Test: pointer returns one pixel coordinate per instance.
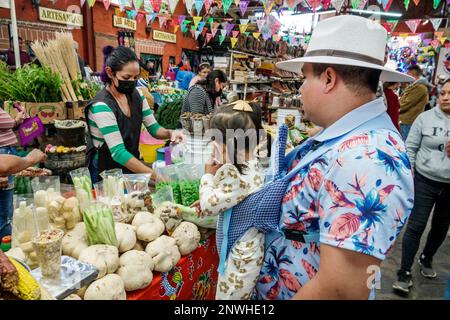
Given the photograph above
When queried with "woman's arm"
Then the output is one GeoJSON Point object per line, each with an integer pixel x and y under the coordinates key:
{"type": "Point", "coordinates": [10, 164]}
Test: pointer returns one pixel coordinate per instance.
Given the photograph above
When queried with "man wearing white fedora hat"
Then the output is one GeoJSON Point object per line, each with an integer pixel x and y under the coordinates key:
{"type": "Point", "coordinates": [353, 187]}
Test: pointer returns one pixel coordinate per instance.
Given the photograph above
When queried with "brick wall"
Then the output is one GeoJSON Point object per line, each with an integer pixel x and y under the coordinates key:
{"type": "Point", "coordinates": [28, 31]}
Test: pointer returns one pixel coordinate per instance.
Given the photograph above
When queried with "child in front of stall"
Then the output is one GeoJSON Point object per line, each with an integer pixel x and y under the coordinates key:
{"type": "Point", "coordinates": [230, 176]}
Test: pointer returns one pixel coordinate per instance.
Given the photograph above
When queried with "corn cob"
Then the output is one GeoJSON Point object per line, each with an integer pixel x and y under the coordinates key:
{"type": "Point", "coordinates": [28, 288]}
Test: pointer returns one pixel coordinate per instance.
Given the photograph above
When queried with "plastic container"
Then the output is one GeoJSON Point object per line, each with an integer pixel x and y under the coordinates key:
{"type": "Point", "coordinates": [5, 243]}
{"type": "Point", "coordinates": [48, 245]}
{"type": "Point", "coordinates": [198, 150]}
{"type": "Point", "coordinates": [148, 147]}
{"type": "Point", "coordinates": [161, 154]}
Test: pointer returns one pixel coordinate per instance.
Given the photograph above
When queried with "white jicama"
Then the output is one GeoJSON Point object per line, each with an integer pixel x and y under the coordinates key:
{"type": "Point", "coordinates": [148, 226]}
{"type": "Point", "coordinates": [187, 237]}
{"type": "Point", "coordinates": [136, 270]}
{"type": "Point", "coordinates": [164, 252]}
{"type": "Point", "coordinates": [110, 287]}
{"type": "Point", "coordinates": [75, 241]}
{"type": "Point", "coordinates": [126, 236]}
{"type": "Point", "coordinates": [105, 258]}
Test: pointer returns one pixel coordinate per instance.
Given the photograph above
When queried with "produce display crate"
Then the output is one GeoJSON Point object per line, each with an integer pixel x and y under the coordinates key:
{"type": "Point", "coordinates": [48, 112]}
{"type": "Point", "coordinates": [75, 110]}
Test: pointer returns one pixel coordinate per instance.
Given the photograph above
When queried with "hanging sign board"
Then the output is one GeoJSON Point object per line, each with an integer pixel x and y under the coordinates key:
{"type": "Point", "coordinates": [164, 36]}
{"type": "Point", "coordinates": [5, 4]}
{"type": "Point", "coordinates": [61, 17]}
{"type": "Point", "coordinates": [121, 22]}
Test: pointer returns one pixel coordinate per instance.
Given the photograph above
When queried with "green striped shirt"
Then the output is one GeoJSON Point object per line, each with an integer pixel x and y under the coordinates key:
{"type": "Point", "coordinates": [103, 127]}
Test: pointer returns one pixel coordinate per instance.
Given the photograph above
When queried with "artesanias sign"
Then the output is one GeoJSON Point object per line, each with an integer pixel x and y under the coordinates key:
{"type": "Point", "coordinates": [61, 17]}
{"type": "Point", "coordinates": [121, 22]}
{"type": "Point", "coordinates": [164, 36]}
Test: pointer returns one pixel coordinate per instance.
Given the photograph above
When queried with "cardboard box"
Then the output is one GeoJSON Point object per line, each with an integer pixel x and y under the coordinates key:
{"type": "Point", "coordinates": [75, 110]}
{"type": "Point", "coordinates": [48, 112]}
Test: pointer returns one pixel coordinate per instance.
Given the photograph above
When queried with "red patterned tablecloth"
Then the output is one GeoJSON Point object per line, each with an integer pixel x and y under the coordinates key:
{"type": "Point", "coordinates": [193, 278]}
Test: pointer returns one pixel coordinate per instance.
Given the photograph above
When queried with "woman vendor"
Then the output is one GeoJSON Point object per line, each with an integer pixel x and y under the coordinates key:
{"type": "Point", "coordinates": [116, 115]}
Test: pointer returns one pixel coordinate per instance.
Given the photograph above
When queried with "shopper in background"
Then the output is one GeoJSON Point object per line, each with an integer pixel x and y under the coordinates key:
{"type": "Point", "coordinates": [24, 56]}
{"type": "Point", "coordinates": [428, 147]}
{"type": "Point", "coordinates": [203, 70]}
{"type": "Point", "coordinates": [340, 212]}
{"type": "Point", "coordinates": [413, 100]}
{"type": "Point", "coordinates": [201, 97]}
{"type": "Point", "coordinates": [11, 164]}
{"type": "Point", "coordinates": [393, 104]}
{"type": "Point", "coordinates": [116, 115]}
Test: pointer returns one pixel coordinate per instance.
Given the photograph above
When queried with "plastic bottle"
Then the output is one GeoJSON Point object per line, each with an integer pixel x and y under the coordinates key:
{"type": "Point", "coordinates": [5, 243]}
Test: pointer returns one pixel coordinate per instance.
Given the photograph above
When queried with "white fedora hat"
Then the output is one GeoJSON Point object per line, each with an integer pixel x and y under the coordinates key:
{"type": "Point", "coordinates": [347, 40]}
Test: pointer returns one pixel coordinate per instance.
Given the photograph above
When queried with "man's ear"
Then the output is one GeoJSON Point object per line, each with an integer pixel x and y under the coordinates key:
{"type": "Point", "coordinates": [329, 79]}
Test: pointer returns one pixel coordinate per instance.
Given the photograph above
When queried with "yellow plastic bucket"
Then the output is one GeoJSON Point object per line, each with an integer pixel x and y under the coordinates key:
{"type": "Point", "coordinates": [148, 146]}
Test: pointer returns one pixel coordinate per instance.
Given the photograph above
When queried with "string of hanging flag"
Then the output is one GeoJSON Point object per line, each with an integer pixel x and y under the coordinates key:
{"type": "Point", "coordinates": [199, 22]}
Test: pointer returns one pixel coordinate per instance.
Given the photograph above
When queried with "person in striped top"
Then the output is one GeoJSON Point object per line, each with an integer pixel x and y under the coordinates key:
{"type": "Point", "coordinates": [116, 115]}
{"type": "Point", "coordinates": [8, 140]}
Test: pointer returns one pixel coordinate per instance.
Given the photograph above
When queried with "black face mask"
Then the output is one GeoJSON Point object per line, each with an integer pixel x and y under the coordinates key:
{"type": "Point", "coordinates": [126, 86]}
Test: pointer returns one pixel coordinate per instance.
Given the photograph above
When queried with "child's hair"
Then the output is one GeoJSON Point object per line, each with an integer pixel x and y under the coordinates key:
{"type": "Point", "coordinates": [226, 118]}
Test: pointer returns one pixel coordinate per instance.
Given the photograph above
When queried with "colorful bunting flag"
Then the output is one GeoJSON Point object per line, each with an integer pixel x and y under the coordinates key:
{"type": "Point", "coordinates": [137, 4]}
{"type": "Point", "coordinates": [386, 4]}
{"type": "Point", "coordinates": [236, 2]}
{"type": "Point", "coordinates": [235, 33]}
{"type": "Point", "coordinates": [197, 19]}
{"type": "Point", "coordinates": [355, 4]}
{"type": "Point", "coordinates": [406, 3]}
{"type": "Point", "coordinates": [162, 21]}
{"type": "Point", "coordinates": [197, 33]}
{"type": "Point", "coordinates": [442, 40]}
{"type": "Point", "coordinates": [148, 18]}
{"type": "Point", "coordinates": [292, 4]}
{"type": "Point", "coordinates": [392, 24]}
{"type": "Point", "coordinates": [82, 2]}
{"type": "Point", "coordinates": [209, 36]}
{"type": "Point", "coordinates": [91, 3]}
{"type": "Point", "coordinates": [156, 4]}
{"type": "Point", "coordinates": [175, 28]}
{"type": "Point", "coordinates": [226, 5]}
{"type": "Point", "coordinates": [435, 43]}
{"type": "Point", "coordinates": [326, 4]}
{"type": "Point", "coordinates": [416, 2]}
{"type": "Point", "coordinates": [243, 5]}
{"type": "Point", "coordinates": [201, 25]}
{"type": "Point", "coordinates": [260, 24]}
{"type": "Point", "coordinates": [173, 5]}
{"type": "Point", "coordinates": [438, 34]}
{"type": "Point", "coordinates": [198, 6]}
{"type": "Point", "coordinates": [139, 17]}
{"type": "Point", "coordinates": [208, 4]}
{"type": "Point", "coordinates": [230, 26]}
{"type": "Point", "coordinates": [243, 28]}
{"type": "Point", "coordinates": [233, 42]}
{"type": "Point", "coordinates": [337, 4]}
{"type": "Point", "coordinates": [256, 34]}
{"type": "Point", "coordinates": [268, 5]}
{"type": "Point", "coordinates": [107, 4]}
{"type": "Point", "coordinates": [189, 5]}
{"type": "Point", "coordinates": [148, 6]}
{"type": "Point", "coordinates": [221, 38]}
{"type": "Point", "coordinates": [436, 23]}
{"type": "Point", "coordinates": [413, 24]}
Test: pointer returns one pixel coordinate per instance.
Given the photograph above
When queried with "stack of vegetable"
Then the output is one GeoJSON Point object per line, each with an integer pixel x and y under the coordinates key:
{"type": "Point", "coordinates": [169, 112]}
{"type": "Point", "coordinates": [16, 283]}
{"type": "Point", "coordinates": [83, 186]}
{"type": "Point", "coordinates": [29, 84]}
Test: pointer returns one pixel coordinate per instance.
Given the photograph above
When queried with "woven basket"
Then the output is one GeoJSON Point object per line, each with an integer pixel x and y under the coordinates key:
{"type": "Point", "coordinates": [71, 160]}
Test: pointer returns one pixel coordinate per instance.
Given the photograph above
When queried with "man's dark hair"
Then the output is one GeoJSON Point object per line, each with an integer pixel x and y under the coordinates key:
{"type": "Point", "coordinates": [357, 79]}
{"type": "Point", "coordinates": [416, 69]}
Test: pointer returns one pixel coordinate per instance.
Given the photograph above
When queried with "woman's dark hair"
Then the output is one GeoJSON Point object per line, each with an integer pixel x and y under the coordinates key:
{"type": "Point", "coordinates": [209, 83]}
{"type": "Point", "coordinates": [226, 118]}
{"type": "Point", "coordinates": [204, 65]}
{"type": "Point", "coordinates": [116, 59]}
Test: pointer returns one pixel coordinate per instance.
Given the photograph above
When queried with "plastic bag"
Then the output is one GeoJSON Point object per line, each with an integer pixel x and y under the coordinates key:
{"type": "Point", "coordinates": [138, 195]}
{"type": "Point", "coordinates": [45, 183]}
{"type": "Point", "coordinates": [189, 184]}
{"type": "Point", "coordinates": [136, 182]}
{"type": "Point", "coordinates": [113, 183]}
{"type": "Point", "coordinates": [177, 152]}
{"type": "Point", "coordinates": [83, 186]}
{"type": "Point", "coordinates": [170, 177]}
{"type": "Point", "coordinates": [99, 223]}
{"type": "Point", "coordinates": [163, 195]}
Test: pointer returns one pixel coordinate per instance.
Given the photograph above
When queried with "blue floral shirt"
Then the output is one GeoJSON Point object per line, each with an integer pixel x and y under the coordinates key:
{"type": "Point", "coordinates": [357, 195]}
